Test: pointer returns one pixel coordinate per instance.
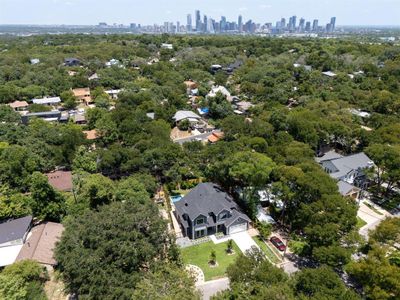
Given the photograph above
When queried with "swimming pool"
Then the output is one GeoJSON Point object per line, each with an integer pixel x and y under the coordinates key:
{"type": "Point", "coordinates": [176, 198]}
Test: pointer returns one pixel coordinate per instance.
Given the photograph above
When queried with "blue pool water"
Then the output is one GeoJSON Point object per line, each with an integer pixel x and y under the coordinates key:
{"type": "Point", "coordinates": [176, 198]}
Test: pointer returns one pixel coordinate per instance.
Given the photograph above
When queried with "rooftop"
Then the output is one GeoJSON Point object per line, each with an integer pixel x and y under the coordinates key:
{"type": "Point", "coordinates": [61, 180]}
{"type": "Point", "coordinates": [47, 100]}
{"type": "Point", "coordinates": [14, 229]}
{"type": "Point", "coordinates": [41, 243]}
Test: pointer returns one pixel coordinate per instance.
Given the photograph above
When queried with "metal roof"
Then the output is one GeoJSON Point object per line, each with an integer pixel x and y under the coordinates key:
{"type": "Point", "coordinates": [15, 229]}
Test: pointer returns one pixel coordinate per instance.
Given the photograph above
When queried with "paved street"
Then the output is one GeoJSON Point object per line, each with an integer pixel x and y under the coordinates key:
{"type": "Point", "coordinates": [210, 288]}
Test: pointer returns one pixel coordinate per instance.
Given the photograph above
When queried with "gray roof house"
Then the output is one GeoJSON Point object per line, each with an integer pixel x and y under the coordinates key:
{"type": "Point", "coordinates": [206, 210]}
{"type": "Point", "coordinates": [13, 234]}
{"type": "Point", "coordinates": [181, 115]}
{"type": "Point", "coordinates": [348, 170]}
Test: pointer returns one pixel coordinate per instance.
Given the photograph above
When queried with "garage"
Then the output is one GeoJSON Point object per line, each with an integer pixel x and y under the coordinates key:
{"type": "Point", "coordinates": [237, 228]}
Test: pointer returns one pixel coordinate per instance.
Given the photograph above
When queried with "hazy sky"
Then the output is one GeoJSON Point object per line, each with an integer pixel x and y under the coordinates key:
{"type": "Point", "coordinates": [348, 12]}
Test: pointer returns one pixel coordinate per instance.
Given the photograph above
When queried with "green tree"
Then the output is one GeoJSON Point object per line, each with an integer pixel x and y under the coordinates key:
{"type": "Point", "coordinates": [46, 202]}
{"type": "Point", "coordinates": [23, 280]}
{"type": "Point", "coordinates": [166, 283]}
{"type": "Point", "coordinates": [105, 253]}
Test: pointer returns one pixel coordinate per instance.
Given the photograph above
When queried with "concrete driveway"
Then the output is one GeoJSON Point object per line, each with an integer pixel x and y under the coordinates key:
{"type": "Point", "coordinates": [244, 241]}
{"type": "Point", "coordinates": [371, 217]}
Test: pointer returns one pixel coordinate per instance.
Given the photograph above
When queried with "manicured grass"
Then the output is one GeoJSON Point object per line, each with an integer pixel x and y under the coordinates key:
{"type": "Point", "coordinates": [267, 250]}
{"type": "Point", "coordinates": [199, 255]}
{"type": "Point", "coordinates": [360, 222]}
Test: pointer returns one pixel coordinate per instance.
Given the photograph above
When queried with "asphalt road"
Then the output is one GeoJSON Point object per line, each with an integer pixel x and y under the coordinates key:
{"type": "Point", "coordinates": [210, 288]}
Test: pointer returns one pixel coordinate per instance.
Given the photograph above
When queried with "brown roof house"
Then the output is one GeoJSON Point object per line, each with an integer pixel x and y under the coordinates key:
{"type": "Point", "coordinates": [41, 242]}
{"type": "Point", "coordinates": [61, 180]}
{"type": "Point", "coordinates": [83, 95]}
{"type": "Point", "coordinates": [90, 134]}
{"type": "Point", "coordinates": [19, 105]}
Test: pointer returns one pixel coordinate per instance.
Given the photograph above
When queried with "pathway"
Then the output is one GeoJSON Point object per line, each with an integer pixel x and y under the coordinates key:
{"type": "Point", "coordinates": [370, 216]}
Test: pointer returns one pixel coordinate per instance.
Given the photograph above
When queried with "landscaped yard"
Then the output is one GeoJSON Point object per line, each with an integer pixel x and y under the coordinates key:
{"type": "Point", "coordinates": [360, 222]}
{"type": "Point", "coordinates": [267, 250]}
{"type": "Point", "coordinates": [199, 255]}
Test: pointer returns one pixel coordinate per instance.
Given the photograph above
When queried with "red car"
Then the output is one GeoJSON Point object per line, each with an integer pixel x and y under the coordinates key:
{"type": "Point", "coordinates": [278, 243]}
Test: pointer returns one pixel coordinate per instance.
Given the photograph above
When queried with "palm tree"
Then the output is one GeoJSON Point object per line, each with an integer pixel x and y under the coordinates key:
{"type": "Point", "coordinates": [229, 246]}
{"type": "Point", "coordinates": [213, 257]}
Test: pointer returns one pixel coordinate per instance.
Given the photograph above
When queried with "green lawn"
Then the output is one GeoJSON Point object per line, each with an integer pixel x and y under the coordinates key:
{"type": "Point", "coordinates": [360, 222]}
{"type": "Point", "coordinates": [199, 255]}
{"type": "Point", "coordinates": [267, 250]}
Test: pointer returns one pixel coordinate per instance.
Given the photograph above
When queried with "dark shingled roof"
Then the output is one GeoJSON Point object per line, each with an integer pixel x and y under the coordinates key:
{"type": "Point", "coordinates": [205, 198]}
{"type": "Point", "coordinates": [12, 230]}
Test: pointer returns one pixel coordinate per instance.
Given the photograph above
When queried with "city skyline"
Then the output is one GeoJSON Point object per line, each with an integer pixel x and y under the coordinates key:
{"type": "Point", "coordinates": [89, 12]}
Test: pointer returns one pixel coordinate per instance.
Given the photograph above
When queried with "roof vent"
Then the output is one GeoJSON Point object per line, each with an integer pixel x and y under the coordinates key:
{"type": "Point", "coordinates": [186, 204]}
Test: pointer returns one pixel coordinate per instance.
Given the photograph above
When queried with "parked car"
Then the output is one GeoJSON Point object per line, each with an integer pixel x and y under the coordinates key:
{"type": "Point", "coordinates": [278, 243]}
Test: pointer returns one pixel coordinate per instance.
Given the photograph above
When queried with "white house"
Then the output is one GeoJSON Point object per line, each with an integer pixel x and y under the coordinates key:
{"type": "Point", "coordinates": [47, 100]}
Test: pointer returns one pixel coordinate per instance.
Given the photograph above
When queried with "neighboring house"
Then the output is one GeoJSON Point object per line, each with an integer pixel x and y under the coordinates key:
{"type": "Point", "coordinates": [113, 62]}
{"type": "Point", "coordinates": [167, 46]}
{"type": "Point", "coordinates": [48, 116]}
{"type": "Point", "coordinates": [80, 119]}
{"type": "Point", "coordinates": [113, 93]}
{"type": "Point", "coordinates": [41, 242]}
{"type": "Point", "coordinates": [349, 171]}
{"type": "Point", "coordinates": [151, 115]}
{"type": "Point", "coordinates": [47, 101]}
{"type": "Point", "coordinates": [244, 106]}
{"type": "Point", "coordinates": [181, 115]}
{"type": "Point", "coordinates": [329, 74]}
{"type": "Point", "coordinates": [35, 61]}
{"type": "Point", "coordinates": [19, 105]}
{"type": "Point", "coordinates": [83, 95]}
{"type": "Point", "coordinates": [72, 62]}
{"type": "Point", "coordinates": [91, 134]}
{"type": "Point", "coordinates": [60, 180]}
{"type": "Point", "coordinates": [219, 89]}
{"type": "Point", "coordinates": [207, 210]}
{"type": "Point", "coordinates": [13, 234]}
{"type": "Point", "coordinates": [215, 136]}
{"type": "Point", "coordinates": [360, 113]}
{"type": "Point", "coordinates": [93, 77]}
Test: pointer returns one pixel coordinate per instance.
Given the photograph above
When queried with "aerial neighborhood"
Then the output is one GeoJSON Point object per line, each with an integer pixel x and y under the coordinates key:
{"type": "Point", "coordinates": [199, 167]}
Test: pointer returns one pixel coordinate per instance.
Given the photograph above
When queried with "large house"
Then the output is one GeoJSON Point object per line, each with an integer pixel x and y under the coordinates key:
{"type": "Point", "coordinates": [83, 95]}
{"type": "Point", "coordinates": [349, 171]}
{"type": "Point", "coordinates": [207, 210]}
{"type": "Point", "coordinates": [20, 240]}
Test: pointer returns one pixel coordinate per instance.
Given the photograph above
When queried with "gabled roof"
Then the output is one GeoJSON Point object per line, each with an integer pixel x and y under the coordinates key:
{"type": "Point", "coordinates": [328, 156]}
{"type": "Point", "coordinates": [346, 164]}
{"type": "Point", "coordinates": [345, 188]}
{"type": "Point", "coordinates": [185, 114]}
{"type": "Point", "coordinates": [15, 229]}
{"type": "Point", "coordinates": [41, 243]}
{"type": "Point", "coordinates": [219, 89]}
{"type": "Point", "coordinates": [206, 198]}
{"type": "Point", "coordinates": [18, 104]}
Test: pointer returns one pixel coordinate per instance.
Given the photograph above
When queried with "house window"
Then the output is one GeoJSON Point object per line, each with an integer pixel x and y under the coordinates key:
{"type": "Point", "coordinates": [200, 221]}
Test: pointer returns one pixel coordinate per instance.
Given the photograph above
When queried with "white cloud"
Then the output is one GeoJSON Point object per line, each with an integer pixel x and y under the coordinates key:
{"type": "Point", "coordinates": [243, 8]}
